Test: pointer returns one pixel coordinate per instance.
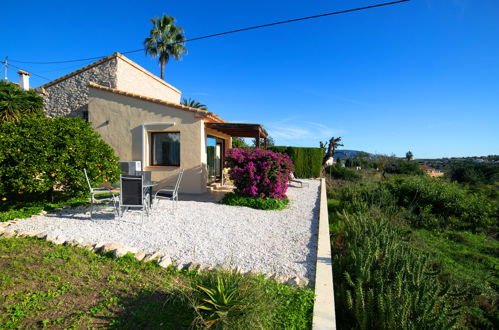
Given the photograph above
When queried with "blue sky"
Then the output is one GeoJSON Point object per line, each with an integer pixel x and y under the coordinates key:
{"type": "Point", "coordinates": [420, 76]}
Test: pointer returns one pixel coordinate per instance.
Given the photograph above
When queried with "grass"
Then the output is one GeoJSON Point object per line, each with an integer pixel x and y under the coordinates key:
{"type": "Point", "coordinates": [43, 285]}
{"type": "Point", "coordinates": [255, 202]}
{"type": "Point", "coordinates": [10, 210]}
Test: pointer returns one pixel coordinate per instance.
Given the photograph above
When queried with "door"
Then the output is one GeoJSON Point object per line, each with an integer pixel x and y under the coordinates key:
{"type": "Point", "coordinates": [214, 153]}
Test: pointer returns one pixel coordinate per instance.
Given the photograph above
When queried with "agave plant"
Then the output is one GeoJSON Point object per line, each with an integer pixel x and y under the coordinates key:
{"type": "Point", "coordinates": [218, 302]}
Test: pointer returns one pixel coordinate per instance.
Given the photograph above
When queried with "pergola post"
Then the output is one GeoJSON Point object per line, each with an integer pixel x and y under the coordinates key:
{"type": "Point", "coordinates": [258, 140]}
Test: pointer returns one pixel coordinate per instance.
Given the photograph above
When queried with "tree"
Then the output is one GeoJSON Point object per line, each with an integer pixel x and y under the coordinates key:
{"type": "Point", "coordinates": [270, 141]}
{"type": "Point", "coordinates": [166, 40]}
{"type": "Point", "coordinates": [193, 104]}
{"type": "Point", "coordinates": [408, 156]}
{"type": "Point", "coordinates": [16, 102]}
{"type": "Point", "coordinates": [330, 148]}
{"type": "Point", "coordinates": [238, 142]}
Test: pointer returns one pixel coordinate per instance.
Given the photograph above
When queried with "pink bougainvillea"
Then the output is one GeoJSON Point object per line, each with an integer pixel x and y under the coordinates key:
{"type": "Point", "coordinates": [259, 172]}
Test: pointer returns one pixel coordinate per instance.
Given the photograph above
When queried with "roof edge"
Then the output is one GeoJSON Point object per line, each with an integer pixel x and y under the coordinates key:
{"type": "Point", "coordinates": [85, 68]}
{"type": "Point", "coordinates": [203, 113]}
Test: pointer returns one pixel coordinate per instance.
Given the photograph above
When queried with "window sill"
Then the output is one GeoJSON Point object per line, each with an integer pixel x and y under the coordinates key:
{"type": "Point", "coordinates": [161, 167]}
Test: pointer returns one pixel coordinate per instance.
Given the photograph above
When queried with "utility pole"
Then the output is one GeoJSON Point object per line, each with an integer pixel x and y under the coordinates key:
{"type": "Point", "coordinates": [6, 66]}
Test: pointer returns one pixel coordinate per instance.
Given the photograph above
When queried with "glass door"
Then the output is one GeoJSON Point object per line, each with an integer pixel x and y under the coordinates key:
{"type": "Point", "coordinates": [214, 153]}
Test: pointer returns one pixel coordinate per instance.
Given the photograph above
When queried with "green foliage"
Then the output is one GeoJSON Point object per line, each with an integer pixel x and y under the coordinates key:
{"type": "Point", "coordinates": [409, 156]}
{"type": "Point", "coordinates": [386, 284]}
{"type": "Point", "coordinates": [307, 161]}
{"type": "Point", "coordinates": [402, 166]}
{"type": "Point", "coordinates": [474, 173]}
{"type": "Point", "coordinates": [39, 155]}
{"type": "Point", "coordinates": [239, 143]}
{"type": "Point", "coordinates": [127, 294]}
{"type": "Point", "coordinates": [342, 173]}
{"type": "Point", "coordinates": [221, 300]}
{"type": "Point", "coordinates": [464, 260]}
{"type": "Point", "coordinates": [16, 102]}
{"type": "Point", "coordinates": [468, 261]}
{"type": "Point", "coordinates": [10, 210]}
{"type": "Point", "coordinates": [438, 204]}
{"type": "Point", "coordinates": [165, 40]}
{"type": "Point", "coordinates": [255, 202]}
{"type": "Point", "coordinates": [193, 104]}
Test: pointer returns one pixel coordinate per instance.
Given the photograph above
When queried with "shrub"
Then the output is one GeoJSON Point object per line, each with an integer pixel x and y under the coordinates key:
{"type": "Point", "coordinates": [16, 102]}
{"type": "Point", "coordinates": [439, 204]}
{"type": "Point", "coordinates": [39, 155]}
{"type": "Point", "coordinates": [475, 173]}
{"type": "Point", "coordinates": [383, 283]}
{"type": "Point", "coordinates": [343, 173]}
{"type": "Point", "coordinates": [402, 166]}
{"type": "Point", "coordinates": [255, 202]}
{"type": "Point", "coordinates": [258, 172]}
{"type": "Point", "coordinates": [307, 161]}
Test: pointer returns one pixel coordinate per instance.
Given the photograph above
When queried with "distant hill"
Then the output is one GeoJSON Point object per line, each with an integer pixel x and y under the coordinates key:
{"type": "Point", "coordinates": [349, 153]}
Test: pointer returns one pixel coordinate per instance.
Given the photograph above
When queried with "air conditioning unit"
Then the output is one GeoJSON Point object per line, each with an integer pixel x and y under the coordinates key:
{"type": "Point", "coordinates": [131, 167]}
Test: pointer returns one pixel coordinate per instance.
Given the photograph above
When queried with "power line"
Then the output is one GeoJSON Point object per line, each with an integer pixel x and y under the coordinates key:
{"type": "Point", "coordinates": [34, 74]}
{"type": "Point", "coordinates": [232, 31]}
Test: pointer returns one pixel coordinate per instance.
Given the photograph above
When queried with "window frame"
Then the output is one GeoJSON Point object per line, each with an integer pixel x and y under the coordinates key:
{"type": "Point", "coordinates": [151, 148]}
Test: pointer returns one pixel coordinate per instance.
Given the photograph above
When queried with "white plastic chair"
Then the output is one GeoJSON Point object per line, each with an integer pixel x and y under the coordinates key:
{"type": "Point", "coordinates": [99, 190]}
{"type": "Point", "coordinates": [169, 193]}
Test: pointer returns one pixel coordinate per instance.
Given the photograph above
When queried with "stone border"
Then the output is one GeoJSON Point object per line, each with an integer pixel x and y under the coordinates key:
{"type": "Point", "coordinates": [324, 316]}
{"type": "Point", "coordinates": [118, 250]}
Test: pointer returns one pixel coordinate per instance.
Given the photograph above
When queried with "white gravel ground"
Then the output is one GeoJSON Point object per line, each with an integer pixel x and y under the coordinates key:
{"type": "Point", "coordinates": [272, 242]}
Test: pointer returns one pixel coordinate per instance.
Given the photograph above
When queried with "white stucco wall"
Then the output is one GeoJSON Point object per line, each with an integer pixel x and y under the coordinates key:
{"type": "Point", "coordinates": [134, 79]}
{"type": "Point", "coordinates": [119, 119]}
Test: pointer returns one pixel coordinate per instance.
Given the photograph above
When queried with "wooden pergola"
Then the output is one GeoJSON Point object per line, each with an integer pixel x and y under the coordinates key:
{"type": "Point", "coordinates": [242, 130]}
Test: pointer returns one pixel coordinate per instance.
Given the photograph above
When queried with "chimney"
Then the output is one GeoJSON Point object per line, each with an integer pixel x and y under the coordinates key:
{"type": "Point", "coordinates": [24, 79]}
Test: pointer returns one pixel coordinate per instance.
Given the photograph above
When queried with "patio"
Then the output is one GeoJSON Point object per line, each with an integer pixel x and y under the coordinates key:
{"type": "Point", "coordinates": [281, 243]}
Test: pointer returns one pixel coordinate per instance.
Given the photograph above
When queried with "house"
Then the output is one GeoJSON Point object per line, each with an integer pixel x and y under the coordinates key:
{"type": "Point", "coordinates": [141, 117]}
{"type": "Point", "coordinates": [434, 173]}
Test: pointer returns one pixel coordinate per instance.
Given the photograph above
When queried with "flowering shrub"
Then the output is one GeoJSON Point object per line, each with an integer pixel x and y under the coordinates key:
{"type": "Point", "coordinates": [259, 173]}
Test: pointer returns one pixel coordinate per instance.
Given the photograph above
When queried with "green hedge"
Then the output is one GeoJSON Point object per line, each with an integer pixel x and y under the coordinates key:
{"type": "Point", "coordinates": [307, 161]}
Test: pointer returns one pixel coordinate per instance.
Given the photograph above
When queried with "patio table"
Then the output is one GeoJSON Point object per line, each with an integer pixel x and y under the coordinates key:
{"type": "Point", "coordinates": [148, 185]}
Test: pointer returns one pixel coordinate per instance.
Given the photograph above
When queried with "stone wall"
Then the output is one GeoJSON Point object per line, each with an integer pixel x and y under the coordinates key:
{"type": "Point", "coordinates": [69, 97]}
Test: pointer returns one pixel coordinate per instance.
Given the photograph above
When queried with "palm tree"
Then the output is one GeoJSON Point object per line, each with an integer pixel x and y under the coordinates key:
{"type": "Point", "coordinates": [15, 102]}
{"type": "Point", "coordinates": [166, 40]}
{"type": "Point", "coordinates": [193, 104]}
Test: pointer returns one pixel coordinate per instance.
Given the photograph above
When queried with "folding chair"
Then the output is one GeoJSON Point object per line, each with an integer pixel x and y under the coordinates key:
{"type": "Point", "coordinates": [171, 192]}
{"type": "Point", "coordinates": [132, 194]}
{"type": "Point", "coordinates": [98, 190]}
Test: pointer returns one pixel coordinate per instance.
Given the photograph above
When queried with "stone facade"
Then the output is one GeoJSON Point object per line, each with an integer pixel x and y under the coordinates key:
{"type": "Point", "coordinates": [69, 96]}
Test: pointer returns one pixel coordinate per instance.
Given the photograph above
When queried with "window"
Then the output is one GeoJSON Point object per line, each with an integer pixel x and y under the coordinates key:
{"type": "Point", "coordinates": [165, 149]}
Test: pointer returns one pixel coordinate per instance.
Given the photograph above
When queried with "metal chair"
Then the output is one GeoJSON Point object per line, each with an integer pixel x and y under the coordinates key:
{"type": "Point", "coordinates": [99, 190]}
{"type": "Point", "coordinates": [170, 192]}
{"type": "Point", "coordinates": [132, 194]}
